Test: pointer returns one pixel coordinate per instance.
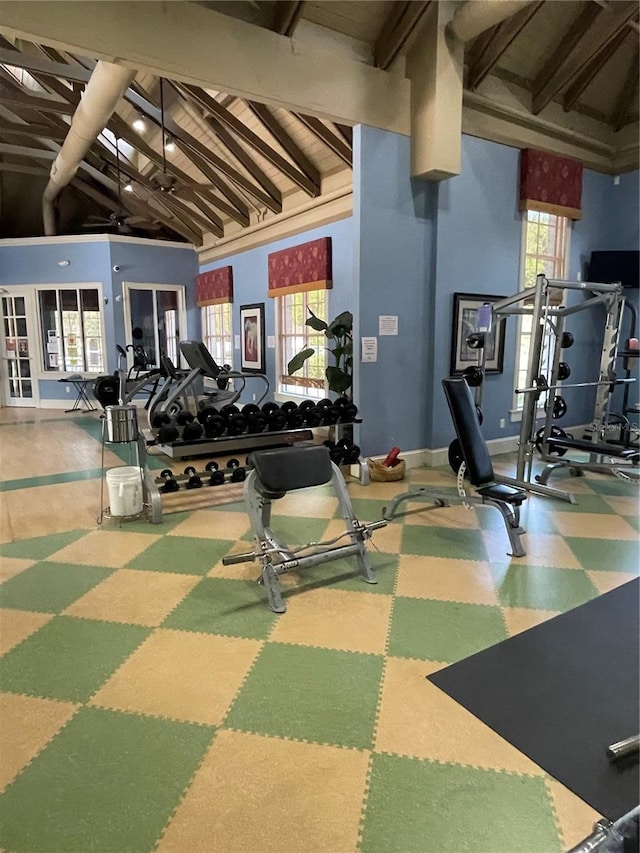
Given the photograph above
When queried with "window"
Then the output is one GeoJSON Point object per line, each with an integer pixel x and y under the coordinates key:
{"type": "Point", "coordinates": [545, 249]}
{"type": "Point", "coordinates": [217, 332]}
{"type": "Point", "coordinates": [294, 336]}
{"type": "Point", "coordinates": [71, 325]}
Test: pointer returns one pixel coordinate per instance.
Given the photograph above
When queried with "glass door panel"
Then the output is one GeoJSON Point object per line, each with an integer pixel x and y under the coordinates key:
{"type": "Point", "coordinates": [16, 354]}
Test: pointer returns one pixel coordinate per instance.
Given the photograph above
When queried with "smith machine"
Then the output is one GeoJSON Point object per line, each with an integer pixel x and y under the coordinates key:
{"type": "Point", "coordinates": [551, 442]}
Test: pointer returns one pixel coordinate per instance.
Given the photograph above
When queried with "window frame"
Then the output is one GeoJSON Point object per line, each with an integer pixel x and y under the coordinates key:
{"type": "Point", "coordinates": [306, 391]}
{"type": "Point", "coordinates": [222, 337]}
{"type": "Point", "coordinates": [516, 411]}
{"type": "Point", "coordinates": [55, 374]}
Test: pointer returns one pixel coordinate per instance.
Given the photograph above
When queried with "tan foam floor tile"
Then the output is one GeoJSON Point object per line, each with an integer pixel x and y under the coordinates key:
{"type": "Point", "coordinates": [574, 817]}
{"type": "Point", "coordinates": [44, 510]}
{"type": "Point", "coordinates": [335, 619]}
{"type": "Point", "coordinates": [455, 517]}
{"type": "Point", "coordinates": [387, 539]}
{"type": "Point", "coordinates": [519, 619]}
{"type": "Point", "coordinates": [305, 503]}
{"type": "Point", "coordinates": [543, 549]}
{"type": "Point", "coordinates": [254, 793]}
{"type": "Point", "coordinates": [606, 581]}
{"type": "Point", "coordinates": [624, 505]}
{"type": "Point", "coordinates": [69, 448]}
{"type": "Point", "coordinates": [17, 625]}
{"type": "Point", "coordinates": [593, 525]}
{"type": "Point", "coordinates": [445, 580]}
{"type": "Point", "coordinates": [12, 566]}
{"type": "Point", "coordinates": [203, 524]}
{"type": "Point", "coordinates": [379, 491]}
{"type": "Point", "coordinates": [112, 548]}
{"type": "Point", "coordinates": [205, 673]}
{"type": "Point", "coordinates": [27, 724]}
{"type": "Point", "coordinates": [418, 719]}
{"type": "Point", "coordinates": [431, 477]}
{"type": "Point", "coordinates": [140, 598]}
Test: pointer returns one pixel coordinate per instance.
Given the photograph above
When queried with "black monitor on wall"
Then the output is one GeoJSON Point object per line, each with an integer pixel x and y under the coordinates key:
{"type": "Point", "coordinates": [608, 267]}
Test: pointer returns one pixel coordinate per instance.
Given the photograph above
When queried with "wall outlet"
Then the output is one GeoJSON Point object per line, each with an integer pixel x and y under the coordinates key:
{"type": "Point", "coordinates": [253, 397]}
{"type": "Point", "coordinates": [503, 423]}
{"type": "Point", "coordinates": [68, 390]}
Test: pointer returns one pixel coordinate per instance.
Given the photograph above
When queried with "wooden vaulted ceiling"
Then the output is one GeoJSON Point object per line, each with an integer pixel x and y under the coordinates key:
{"type": "Point", "coordinates": [238, 162]}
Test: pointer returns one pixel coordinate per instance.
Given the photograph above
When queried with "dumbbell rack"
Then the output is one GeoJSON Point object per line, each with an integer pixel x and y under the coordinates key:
{"type": "Point", "coordinates": [231, 444]}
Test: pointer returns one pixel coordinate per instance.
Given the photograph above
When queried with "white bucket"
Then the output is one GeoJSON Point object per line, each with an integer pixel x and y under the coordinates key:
{"type": "Point", "coordinates": [125, 490]}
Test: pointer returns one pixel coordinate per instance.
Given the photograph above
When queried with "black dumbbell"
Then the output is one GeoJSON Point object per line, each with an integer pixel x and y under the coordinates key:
{"type": "Point", "coordinates": [276, 420]}
{"type": "Point", "coordinates": [169, 433]}
{"type": "Point", "coordinates": [348, 409]}
{"type": "Point", "coordinates": [305, 405]}
{"type": "Point", "coordinates": [170, 483]}
{"type": "Point", "coordinates": [238, 473]}
{"type": "Point", "coordinates": [184, 417]}
{"type": "Point", "coordinates": [213, 422]}
{"type": "Point", "coordinates": [192, 430]}
{"type": "Point", "coordinates": [313, 416]}
{"type": "Point", "coordinates": [217, 476]}
{"type": "Point", "coordinates": [160, 419]}
{"type": "Point", "coordinates": [194, 481]}
{"type": "Point", "coordinates": [236, 422]}
{"type": "Point", "coordinates": [256, 419]}
{"type": "Point", "coordinates": [350, 452]}
{"type": "Point", "coordinates": [295, 418]}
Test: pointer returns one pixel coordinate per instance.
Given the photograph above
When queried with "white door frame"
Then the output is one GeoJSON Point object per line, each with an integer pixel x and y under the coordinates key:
{"type": "Point", "coordinates": [33, 339]}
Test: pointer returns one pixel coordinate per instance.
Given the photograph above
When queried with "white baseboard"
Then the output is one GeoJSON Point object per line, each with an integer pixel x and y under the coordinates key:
{"type": "Point", "coordinates": [56, 404]}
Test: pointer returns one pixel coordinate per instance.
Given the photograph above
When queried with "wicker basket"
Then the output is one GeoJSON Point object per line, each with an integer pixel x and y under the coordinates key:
{"type": "Point", "coordinates": [381, 474]}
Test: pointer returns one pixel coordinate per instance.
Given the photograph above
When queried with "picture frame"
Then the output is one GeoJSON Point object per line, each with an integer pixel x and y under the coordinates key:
{"type": "Point", "coordinates": [465, 307]}
{"type": "Point", "coordinates": [252, 349]}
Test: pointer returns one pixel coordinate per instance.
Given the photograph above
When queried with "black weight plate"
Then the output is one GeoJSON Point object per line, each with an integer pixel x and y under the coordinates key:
{"type": "Point", "coordinates": [270, 407]}
{"type": "Point", "coordinates": [455, 457]}
{"type": "Point", "coordinates": [249, 409]}
{"type": "Point", "coordinates": [305, 405]}
{"type": "Point", "coordinates": [233, 463]}
{"type": "Point", "coordinates": [228, 411]}
{"type": "Point", "coordinates": [325, 404]}
{"type": "Point", "coordinates": [166, 472]}
{"type": "Point", "coordinates": [564, 371]}
{"type": "Point", "coordinates": [480, 415]}
{"type": "Point", "coordinates": [289, 406]}
{"type": "Point", "coordinates": [567, 340]}
{"type": "Point", "coordinates": [189, 471]}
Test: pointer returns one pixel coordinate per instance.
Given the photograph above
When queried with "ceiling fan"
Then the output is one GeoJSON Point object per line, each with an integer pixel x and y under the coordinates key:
{"type": "Point", "coordinates": [120, 220]}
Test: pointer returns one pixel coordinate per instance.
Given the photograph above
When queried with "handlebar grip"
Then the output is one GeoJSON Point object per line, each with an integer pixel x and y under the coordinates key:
{"type": "Point", "coordinates": [232, 559]}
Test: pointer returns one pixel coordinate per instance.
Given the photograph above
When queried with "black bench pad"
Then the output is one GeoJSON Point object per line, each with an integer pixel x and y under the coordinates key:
{"type": "Point", "coordinates": [630, 453]}
{"type": "Point", "coordinates": [285, 469]}
{"type": "Point", "coordinates": [501, 492]}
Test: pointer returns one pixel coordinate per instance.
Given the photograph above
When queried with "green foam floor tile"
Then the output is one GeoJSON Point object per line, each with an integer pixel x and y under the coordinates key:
{"type": "Point", "coordinates": [235, 608]}
{"type": "Point", "coordinates": [541, 588]}
{"type": "Point", "coordinates": [606, 555]}
{"type": "Point", "coordinates": [313, 694]}
{"type": "Point", "coordinates": [366, 509]}
{"type": "Point", "coordinates": [613, 487]}
{"type": "Point", "coordinates": [455, 543]}
{"type": "Point", "coordinates": [584, 503]}
{"type": "Point", "coordinates": [417, 807]}
{"type": "Point", "coordinates": [40, 547]}
{"type": "Point", "coordinates": [50, 587]}
{"type": "Point", "coordinates": [68, 658]}
{"type": "Point", "coordinates": [634, 521]}
{"type": "Point", "coordinates": [107, 783]}
{"type": "Point", "coordinates": [182, 554]}
{"type": "Point", "coordinates": [443, 630]}
{"type": "Point", "coordinates": [141, 525]}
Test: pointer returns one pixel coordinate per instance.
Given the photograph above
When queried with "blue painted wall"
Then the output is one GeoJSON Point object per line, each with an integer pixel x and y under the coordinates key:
{"type": "Point", "coordinates": [250, 283]}
{"type": "Point", "coordinates": [30, 264]}
{"type": "Point", "coordinates": [394, 228]}
{"type": "Point", "coordinates": [478, 251]}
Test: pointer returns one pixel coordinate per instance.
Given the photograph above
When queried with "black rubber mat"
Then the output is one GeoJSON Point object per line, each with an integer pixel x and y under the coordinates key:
{"type": "Point", "coordinates": [562, 692]}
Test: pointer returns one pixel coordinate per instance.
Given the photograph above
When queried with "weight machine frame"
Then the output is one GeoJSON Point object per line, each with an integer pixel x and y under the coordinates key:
{"type": "Point", "coordinates": [547, 316]}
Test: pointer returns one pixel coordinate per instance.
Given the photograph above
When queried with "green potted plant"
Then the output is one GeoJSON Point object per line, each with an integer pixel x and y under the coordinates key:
{"type": "Point", "coordinates": [339, 334]}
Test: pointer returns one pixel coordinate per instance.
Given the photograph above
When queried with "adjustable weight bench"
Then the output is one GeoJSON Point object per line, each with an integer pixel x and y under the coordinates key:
{"type": "Point", "coordinates": [506, 499]}
{"type": "Point", "coordinates": [276, 472]}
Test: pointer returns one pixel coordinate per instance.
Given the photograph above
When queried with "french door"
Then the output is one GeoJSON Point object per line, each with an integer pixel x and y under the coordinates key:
{"type": "Point", "coordinates": [155, 318]}
{"type": "Point", "coordinates": [18, 350]}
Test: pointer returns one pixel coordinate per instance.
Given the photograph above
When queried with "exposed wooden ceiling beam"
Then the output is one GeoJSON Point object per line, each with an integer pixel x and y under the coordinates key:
{"type": "Point", "coordinates": [628, 95]}
{"type": "Point", "coordinates": [403, 18]}
{"type": "Point", "coordinates": [13, 99]}
{"type": "Point", "coordinates": [262, 112]}
{"type": "Point", "coordinates": [8, 128]}
{"type": "Point", "coordinates": [502, 38]}
{"type": "Point", "coordinates": [611, 21]}
{"type": "Point", "coordinates": [224, 116]}
{"type": "Point", "coordinates": [286, 14]}
{"type": "Point", "coordinates": [26, 151]}
{"type": "Point", "coordinates": [22, 169]}
{"type": "Point", "coordinates": [32, 62]}
{"type": "Point", "coordinates": [591, 71]}
{"type": "Point", "coordinates": [331, 140]}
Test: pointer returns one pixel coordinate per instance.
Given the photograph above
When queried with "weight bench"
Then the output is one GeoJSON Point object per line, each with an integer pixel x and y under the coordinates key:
{"type": "Point", "coordinates": [506, 499]}
{"type": "Point", "coordinates": [629, 456]}
{"type": "Point", "coordinates": [273, 474]}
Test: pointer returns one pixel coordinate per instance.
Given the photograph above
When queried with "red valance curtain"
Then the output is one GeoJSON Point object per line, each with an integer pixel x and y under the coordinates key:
{"type": "Point", "coordinates": [303, 267]}
{"type": "Point", "coordinates": [214, 287]}
{"type": "Point", "coordinates": [550, 183]}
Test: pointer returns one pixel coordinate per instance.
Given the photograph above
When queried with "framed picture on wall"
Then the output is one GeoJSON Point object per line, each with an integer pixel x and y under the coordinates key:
{"type": "Point", "coordinates": [465, 322]}
{"type": "Point", "coordinates": [252, 358]}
